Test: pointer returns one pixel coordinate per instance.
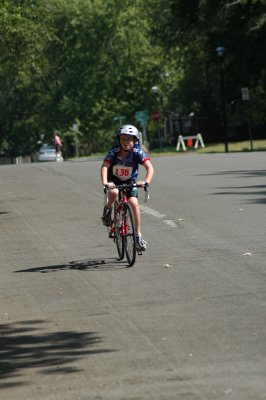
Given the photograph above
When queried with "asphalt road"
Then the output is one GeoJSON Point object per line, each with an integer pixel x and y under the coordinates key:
{"type": "Point", "coordinates": [188, 321]}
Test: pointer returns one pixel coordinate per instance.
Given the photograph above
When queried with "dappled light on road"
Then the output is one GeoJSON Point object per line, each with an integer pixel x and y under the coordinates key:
{"type": "Point", "coordinates": [28, 345]}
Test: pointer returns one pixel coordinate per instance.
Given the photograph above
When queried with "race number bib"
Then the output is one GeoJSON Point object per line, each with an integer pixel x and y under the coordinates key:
{"type": "Point", "coordinates": [122, 172]}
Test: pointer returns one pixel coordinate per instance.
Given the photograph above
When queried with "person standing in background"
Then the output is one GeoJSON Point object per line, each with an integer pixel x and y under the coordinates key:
{"type": "Point", "coordinates": [58, 143]}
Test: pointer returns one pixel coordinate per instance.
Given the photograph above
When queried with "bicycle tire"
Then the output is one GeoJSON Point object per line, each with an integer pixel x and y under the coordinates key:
{"type": "Point", "coordinates": [130, 237]}
{"type": "Point", "coordinates": [118, 238]}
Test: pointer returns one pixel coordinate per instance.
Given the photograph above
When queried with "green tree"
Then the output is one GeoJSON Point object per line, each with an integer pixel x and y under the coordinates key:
{"type": "Point", "coordinates": [22, 33]}
{"type": "Point", "coordinates": [91, 60]}
{"type": "Point", "coordinates": [197, 27]}
{"type": "Point", "coordinates": [103, 64]}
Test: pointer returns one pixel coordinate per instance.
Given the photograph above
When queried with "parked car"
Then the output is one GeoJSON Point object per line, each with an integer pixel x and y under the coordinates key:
{"type": "Point", "coordinates": [46, 153]}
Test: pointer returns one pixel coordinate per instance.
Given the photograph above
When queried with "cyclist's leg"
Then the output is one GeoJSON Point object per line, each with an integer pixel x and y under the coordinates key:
{"type": "Point", "coordinates": [140, 242]}
{"type": "Point", "coordinates": [107, 211]}
{"type": "Point", "coordinates": [112, 195]}
{"type": "Point", "coordinates": [133, 201]}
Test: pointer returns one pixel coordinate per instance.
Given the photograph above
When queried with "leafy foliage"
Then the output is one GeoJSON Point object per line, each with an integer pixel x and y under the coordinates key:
{"type": "Point", "coordinates": [94, 60]}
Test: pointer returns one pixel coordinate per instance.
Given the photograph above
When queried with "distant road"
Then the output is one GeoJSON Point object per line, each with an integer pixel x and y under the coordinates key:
{"type": "Point", "coordinates": [188, 321]}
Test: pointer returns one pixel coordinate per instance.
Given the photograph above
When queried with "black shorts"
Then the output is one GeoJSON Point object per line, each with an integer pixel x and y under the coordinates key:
{"type": "Point", "coordinates": [131, 192]}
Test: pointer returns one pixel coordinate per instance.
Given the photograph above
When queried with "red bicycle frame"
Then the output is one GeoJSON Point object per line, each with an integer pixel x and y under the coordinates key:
{"type": "Point", "coordinates": [122, 200]}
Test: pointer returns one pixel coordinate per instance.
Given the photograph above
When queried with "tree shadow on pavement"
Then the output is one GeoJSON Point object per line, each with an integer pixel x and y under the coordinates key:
{"type": "Point", "coordinates": [23, 347]}
{"type": "Point", "coordinates": [245, 173]}
{"type": "Point", "coordinates": [258, 192]}
{"type": "Point", "coordinates": [82, 265]}
{"type": "Point", "coordinates": [245, 191]}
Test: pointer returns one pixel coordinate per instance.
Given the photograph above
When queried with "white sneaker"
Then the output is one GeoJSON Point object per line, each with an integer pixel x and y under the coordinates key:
{"type": "Point", "coordinates": [140, 243]}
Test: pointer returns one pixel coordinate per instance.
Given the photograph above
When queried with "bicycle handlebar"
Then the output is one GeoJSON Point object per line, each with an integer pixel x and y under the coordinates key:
{"type": "Point", "coordinates": [124, 186]}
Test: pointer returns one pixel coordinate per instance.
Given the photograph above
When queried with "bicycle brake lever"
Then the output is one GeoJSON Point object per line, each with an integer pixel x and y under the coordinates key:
{"type": "Point", "coordinates": [146, 188]}
{"type": "Point", "coordinates": [105, 191]}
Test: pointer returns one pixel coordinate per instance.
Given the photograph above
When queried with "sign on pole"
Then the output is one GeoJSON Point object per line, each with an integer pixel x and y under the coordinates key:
{"type": "Point", "coordinates": [142, 117]}
{"type": "Point", "coordinates": [120, 118]}
{"type": "Point", "coordinates": [75, 129]}
{"type": "Point", "coordinates": [156, 115]}
{"type": "Point", "coordinates": [245, 94]}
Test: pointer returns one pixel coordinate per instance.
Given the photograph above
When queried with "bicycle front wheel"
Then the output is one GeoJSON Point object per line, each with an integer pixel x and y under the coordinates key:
{"type": "Point", "coordinates": [118, 238]}
{"type": "Point", "coordinates": [130, 235]}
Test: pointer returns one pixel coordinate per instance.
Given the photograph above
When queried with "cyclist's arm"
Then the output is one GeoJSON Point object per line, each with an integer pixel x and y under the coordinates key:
{"type": "Point", "coordinates": [149, 172]}
{"type": "Point", "coordinates": [104, 175]}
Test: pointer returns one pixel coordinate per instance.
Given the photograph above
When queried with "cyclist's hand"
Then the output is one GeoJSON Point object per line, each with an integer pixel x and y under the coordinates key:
{"type": "Point", "coordinates": [141, 183]}
{"type": "Point", "coordinates": [110, 185]}
{"type": "Point", "coordinates": [146, 186]}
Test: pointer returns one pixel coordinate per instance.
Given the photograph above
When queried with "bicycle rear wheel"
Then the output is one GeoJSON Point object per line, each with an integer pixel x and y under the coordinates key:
{"type": "Point", "coordinates": [130, 237]}
{"type": "Point", "coordinates": [118, 238]}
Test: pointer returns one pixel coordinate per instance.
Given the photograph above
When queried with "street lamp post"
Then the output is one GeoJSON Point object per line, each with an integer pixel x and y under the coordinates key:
{"type": "Point", "coordinates": [155, 92]}
{"type": "Point", "coordinates": [220, 52]}
{"type": "Point", "coordinates": [246, 99]}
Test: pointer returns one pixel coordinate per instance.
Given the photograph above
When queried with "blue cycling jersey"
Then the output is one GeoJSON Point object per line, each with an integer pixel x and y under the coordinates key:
{"type": "Point", "coordinates": [123, 169]}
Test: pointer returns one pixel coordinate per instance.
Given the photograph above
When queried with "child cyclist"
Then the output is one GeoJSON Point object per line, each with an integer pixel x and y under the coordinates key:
{"type": "Point", "coordinates": [121, 166]}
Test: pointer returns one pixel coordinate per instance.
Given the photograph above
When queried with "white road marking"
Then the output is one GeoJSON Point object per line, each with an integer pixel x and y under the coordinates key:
{"type": "Point", "coordinates": [154, 213]}
{"type": "Point", "coordinates": [170, 222]}
{"type": "Point", "coordinates": [158, 215]}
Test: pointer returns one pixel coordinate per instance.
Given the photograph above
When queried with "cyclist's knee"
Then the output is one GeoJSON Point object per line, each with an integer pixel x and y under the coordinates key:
{"type": "Point", "coordinates": [112, 195]}
{"type": "Point", "coordinates": [133, 201]}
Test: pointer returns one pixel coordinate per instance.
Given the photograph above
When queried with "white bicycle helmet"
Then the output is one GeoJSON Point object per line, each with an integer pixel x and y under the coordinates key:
{"type": "Point", "coordinates": [128, 130]}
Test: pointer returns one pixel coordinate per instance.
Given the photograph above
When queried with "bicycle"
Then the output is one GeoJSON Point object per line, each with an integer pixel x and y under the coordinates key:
{"type": "Point", "coordinates": [122, 228]}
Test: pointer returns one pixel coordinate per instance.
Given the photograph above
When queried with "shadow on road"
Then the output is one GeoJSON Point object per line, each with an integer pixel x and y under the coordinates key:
{"type": "Point", "coordinates": [252, 190]}
{"type": "Point", "coordinates": [256, 190]}
{"type": "Point", "coordinates": [82, 265]}
{"type": "Point", "coordinates": [23, 348]}
{"type": "Point", "coordinates": [245, 173]}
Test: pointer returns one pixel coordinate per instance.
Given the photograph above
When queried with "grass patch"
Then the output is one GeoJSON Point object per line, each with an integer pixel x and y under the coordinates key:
{"type": "Point", "coordinates": [258, 145]}
{"type": "Point", "coordinates": [243, 146]}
